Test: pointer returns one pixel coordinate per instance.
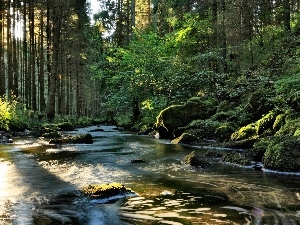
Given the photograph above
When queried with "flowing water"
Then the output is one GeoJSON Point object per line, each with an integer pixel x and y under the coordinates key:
{"type": "Point", "coordinates": [39, 185]}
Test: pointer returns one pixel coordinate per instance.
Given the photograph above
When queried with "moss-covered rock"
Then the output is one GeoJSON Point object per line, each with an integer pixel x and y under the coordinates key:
{"type": "Point", "coordinates": [244, 132]}
{"type": "Point", "coordinates": [241, 144]}
{"type": "Point", "coordinates": [195, 159]}
{"type": "Point", "coordinates": [279, 121]}
{"type": "Point", "coordinates": [186, 138]}
{"type": "Point", "coordinates": [176, 116]}
{"type": "Point", "coordinates": [213, 154]}
{"type": "Point", "coordinates": [236, 158]}
{"type": "Point", "coordinates": [259, 149]}
{"type": "Point", "coordinates": [105, 190]}
{"type": "Point", "coordinates": [283, 154]}
{"type": "Point", "coordinates": [289, 128]}
{"type": "Point", "coordinates": [224, 131]}
{"type": "Point", "coordinates": [266, 122]}
{"type": "Point", "coordinates": [79, 139]}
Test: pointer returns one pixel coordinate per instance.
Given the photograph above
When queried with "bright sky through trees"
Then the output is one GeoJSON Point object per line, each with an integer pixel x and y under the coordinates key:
{"type": "Point", "coordinates": [94, 6]}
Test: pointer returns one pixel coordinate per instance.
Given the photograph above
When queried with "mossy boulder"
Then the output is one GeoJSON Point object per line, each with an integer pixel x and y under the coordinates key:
{"type": "Point", "coordinates": [224, 131]}
{"type": "Point", "coordinates": [289, 124]}
{"type": "Point", "coordinates": [266, 122]}
{"type": "Point", "coordinates": [259, 148]}
{"type": "Point", "coordinates": [283, 154]}
{"type": "Point", "coordinates": [186, 138]}
{"type": "Point", "coordinates": [236, 158]}
{"type": "Point", "coordinates": [176, 116]}
{"type": "Point", "coordinates": [244, 132]}
{"type": "Point", "coordinates": [195, 159]}
{"type": "Point", "coordinates": [79, 139]}
{"type": "Point", "coordinates": [241, 144]}
{"type": "Point", "coordinates": [106, 190]}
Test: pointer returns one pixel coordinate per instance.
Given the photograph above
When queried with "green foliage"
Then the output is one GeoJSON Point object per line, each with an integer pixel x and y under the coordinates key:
{"type": "Point", "coordinates": [259, 149]}
{"type": "Point", "coordinates": [5, 113]}
{"type": "Point", "coordinates": [283, 154]}
{"type": "Point", "coordinates": [244, 132]}
{"type": "Point", "coordinates": [266, 122]}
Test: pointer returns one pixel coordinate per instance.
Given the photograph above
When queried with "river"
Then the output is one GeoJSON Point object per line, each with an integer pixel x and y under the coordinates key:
{"type": "Point", "coordinates": [39, 185]}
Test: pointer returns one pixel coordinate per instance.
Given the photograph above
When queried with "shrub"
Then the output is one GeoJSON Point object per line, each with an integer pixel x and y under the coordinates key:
{"type": "Point", "coordinates": [283, 154]}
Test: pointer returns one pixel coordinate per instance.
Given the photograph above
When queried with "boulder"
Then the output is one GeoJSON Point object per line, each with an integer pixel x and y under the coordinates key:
{"type": "Point", "coordinates": [236, 158]}
{"type": "Point", "coordinates": [283, 154]}
{"type": "Point", "coordinates": [106, 190]}
{"type": "Point", "coordinates": [195, 159]}
{"type": "Point", "coordinates": [186, 138]}
{"type": "Point", "coordinates": [79, 139]}
{"type": "Point", "coordinates": [177, 116]}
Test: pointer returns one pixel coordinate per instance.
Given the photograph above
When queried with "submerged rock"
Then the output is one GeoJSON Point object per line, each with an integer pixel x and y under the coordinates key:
{"type": "Point", "coordinates": [106, 190]}
{"type": "Point", "coordinates": [138, 161]}
{"type": "Point", "coordinates": [195, 159]}
{"type": "Point", "coordinates": [79, 139]}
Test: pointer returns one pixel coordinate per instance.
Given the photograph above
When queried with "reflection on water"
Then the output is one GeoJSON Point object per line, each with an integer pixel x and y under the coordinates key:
{"type": "Point", "coordinates": [39, 185]}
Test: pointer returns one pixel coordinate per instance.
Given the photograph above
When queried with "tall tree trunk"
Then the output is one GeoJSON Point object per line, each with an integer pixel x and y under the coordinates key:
{"type": "Point", "coordinates": [33, 98]}
{"type": "Point", "coordinates": [2, 66]}
{"type": "Point", "coordinates": [56, 27]}
{"type": "Point", "coordinates": [132, 9]}
{"type": "Point", "coordinates": [286, 15]}
{"type": "Point", "coordinates": [41, 76]}
{"type": "Point", "coordinates": [15, 49]}
{"type": "Point", "coordinates": [26, 85]}
{"type": "Point", "coordinates": [10, 68]}
{"type": "Point", "coordinates": [223, 36]}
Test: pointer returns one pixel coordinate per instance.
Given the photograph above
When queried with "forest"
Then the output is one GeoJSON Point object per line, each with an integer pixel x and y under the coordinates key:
{"type": "Point", "coordinates": [232, 65]}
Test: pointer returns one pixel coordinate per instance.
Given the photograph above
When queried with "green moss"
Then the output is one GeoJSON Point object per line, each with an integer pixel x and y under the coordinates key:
{"type": "Point", "coordinates": [283, 154]}
{"type": "Point", "coordinates": [105, 190]}
{"type": "Point", "coordinates": [242, 144]}
{"type": "Point", "coordinates": [259, 149]}
{"type": "Point", "coordinates": [290, 127]}
{"type": "Point", "coordinates": [279, 122]}
{"type": "Point", "coordinates": [265, 122]}
{"type": "Point", "coordinates": [213, 154]}
{"type": "Point", "coordinates": [186, 138]}
{"type": "Point", "coordinates": [195, 159]}
{"type": "Point", "coordinates": [177, 116]}
{"type": "Point", "coordinates": [224, 131]}
{"type": "Point", "coordinates": [236, 158]}
{"type": "Point", "coordinates": [297, 132]}
{"type": "Point", "coordinates": [244, 132]}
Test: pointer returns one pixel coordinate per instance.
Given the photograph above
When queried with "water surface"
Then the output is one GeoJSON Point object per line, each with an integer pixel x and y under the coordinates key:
{"type": "Point", "coordinates": [39, 185]}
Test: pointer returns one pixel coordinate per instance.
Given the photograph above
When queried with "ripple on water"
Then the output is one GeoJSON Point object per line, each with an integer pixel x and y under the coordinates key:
{"type": "Point", "coordinates": [181, 208]}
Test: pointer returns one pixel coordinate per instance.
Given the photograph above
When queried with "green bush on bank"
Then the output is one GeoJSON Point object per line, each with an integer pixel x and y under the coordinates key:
{"type": "Point", "coordinates": [283, 154]}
